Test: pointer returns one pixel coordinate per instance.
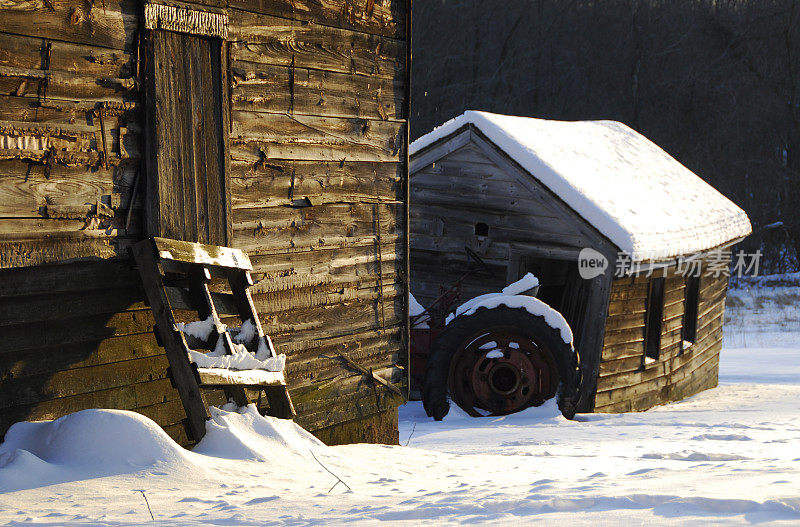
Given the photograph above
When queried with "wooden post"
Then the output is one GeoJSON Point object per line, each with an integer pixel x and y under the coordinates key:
{"type": "Point", "coordinates": [183, 373]}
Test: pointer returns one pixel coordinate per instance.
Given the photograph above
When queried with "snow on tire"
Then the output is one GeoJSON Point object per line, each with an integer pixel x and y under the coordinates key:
{"type": "Point", "coordinates": [500, 361]}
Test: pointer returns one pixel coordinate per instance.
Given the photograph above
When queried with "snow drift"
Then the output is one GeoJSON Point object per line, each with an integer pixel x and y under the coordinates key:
{"type": "Point", "coordinates": [243, 433]}
{"type": "Point", "coordinates": [86, 444]}
{"type": "Point", "coordinates": [98, 443]}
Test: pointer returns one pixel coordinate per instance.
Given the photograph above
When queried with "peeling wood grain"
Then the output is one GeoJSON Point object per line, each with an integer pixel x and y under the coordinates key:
{"type": "Point", "coordinates": [268, 184]}
{"type": "Point", "coordinates": [281, 136]}
{"type": "Point", "coordinates": [315, 92]}
{"type": "Point", "coordinates": [110, 25]}
{"type": "Point", "coordinates": [276, 41]}
{"type": "Point", "coordinates": [387, 17]}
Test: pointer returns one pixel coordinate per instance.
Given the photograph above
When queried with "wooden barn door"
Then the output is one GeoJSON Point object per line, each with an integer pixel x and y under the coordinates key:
{"type": "Point", "coordinates": [187, 104]}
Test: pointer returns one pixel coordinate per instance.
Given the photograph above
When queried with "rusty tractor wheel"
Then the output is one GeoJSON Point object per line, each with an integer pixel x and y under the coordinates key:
{"type": "Point", "coordinates": [498, 362]}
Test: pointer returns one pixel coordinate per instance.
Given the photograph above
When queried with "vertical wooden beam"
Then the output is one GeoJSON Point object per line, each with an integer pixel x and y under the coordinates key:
{"type": "Point", "coordinates": [225, 128]}
{"type": "Point", "coordinates": [406, 332]}
{"type": "Point", "coordinates": [593, 333]}
{"type": "Point", "coordinates": [194, 180]}
{"type": "Point", "coordinates": [182, 371]}
{"type": "Point", "coordinates": [151, 145]}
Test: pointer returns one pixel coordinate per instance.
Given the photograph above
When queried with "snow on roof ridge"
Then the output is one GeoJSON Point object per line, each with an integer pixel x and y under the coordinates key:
{"type": "Point", "coordinates": [626, 186]}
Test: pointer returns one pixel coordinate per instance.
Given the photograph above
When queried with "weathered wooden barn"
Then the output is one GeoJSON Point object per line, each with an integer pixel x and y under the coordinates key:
{"type": "Point", "coordinates": [278, 127]}
{"type": "Point", "coordinates": [546, 197]}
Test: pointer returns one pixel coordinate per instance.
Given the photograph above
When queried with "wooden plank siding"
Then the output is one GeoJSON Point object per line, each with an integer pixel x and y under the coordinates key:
{"type": "Point", "coordinates": [318, 164]}
{"type": "Point", "coordinates": [625, 382]}
{"type": "Point", "coordinates": [452, 195]}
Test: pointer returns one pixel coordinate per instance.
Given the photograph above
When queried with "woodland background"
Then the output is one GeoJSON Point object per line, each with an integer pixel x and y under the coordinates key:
{"type": "Point", "coordinates": [716, 83]}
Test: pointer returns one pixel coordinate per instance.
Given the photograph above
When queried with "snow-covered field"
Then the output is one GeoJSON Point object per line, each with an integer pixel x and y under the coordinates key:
{"type": "Point", "coordinates": [764, 312]}
{"type": "Point", "coordinates": [728, 455]}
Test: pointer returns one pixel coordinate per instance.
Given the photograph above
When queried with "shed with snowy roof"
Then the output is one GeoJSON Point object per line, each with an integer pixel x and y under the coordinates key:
{"type": "Point", "coordinates": [629, 245]}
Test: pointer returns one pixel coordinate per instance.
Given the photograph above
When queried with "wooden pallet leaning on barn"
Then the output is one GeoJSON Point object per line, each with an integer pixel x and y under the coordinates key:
{"type": "Point", "coordinates": [175, 275]}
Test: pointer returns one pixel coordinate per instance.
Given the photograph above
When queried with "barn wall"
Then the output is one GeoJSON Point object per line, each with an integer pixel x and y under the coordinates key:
{"type": "Point", "coordinates": [624, 384]}
{"type": "Point", "coordinates": [75, 335]}
{"type": "Point", "coordinates": [318, 145]}
{"type": "Point", "coordinates": [69, 132]}
{"type": "Point", "coordinates": [318, 140]}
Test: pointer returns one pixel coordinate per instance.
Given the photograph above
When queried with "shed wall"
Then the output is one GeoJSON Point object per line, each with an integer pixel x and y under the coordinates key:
{"type": "Point", "coordinates": [625, 383]}
{"type": "Point", "coordinates": [318, 145]}
{"type": "Point", "coordinates": [462, 189]}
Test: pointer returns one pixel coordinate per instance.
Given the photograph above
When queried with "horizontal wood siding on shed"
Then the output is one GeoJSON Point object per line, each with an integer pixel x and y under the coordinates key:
{"type": "Point", "coordinates": [318, 162]}
{"type": "Point", "coordinates": [450, 196]}
{"type": "Point", "coordinates": [625, 383]}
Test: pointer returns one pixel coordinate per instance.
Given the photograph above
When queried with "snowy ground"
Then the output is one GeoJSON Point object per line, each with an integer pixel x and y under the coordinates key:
{"type": "Point", "coordinates": [728, 455]}
{"type": "Point", "coordinates": [764, 312]}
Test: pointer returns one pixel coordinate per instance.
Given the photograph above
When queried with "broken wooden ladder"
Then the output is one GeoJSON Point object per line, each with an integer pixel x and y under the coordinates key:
{"type": "Point", "coordinates": [175, 275]}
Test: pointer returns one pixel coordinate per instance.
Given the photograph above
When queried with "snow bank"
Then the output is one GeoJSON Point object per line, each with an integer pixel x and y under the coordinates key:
{"type": "Point", "coordinates": [243, 433]}
{"type": "Point", "coordinates": [85, 444]}
{"type": "Point", "coordinates": [98, 443]}
{"type": "Point", "coordinates": [636, 194]}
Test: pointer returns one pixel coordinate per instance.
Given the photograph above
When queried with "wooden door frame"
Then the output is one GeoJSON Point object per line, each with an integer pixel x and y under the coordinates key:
{"type": "Point", "coordinates": [192, 20]}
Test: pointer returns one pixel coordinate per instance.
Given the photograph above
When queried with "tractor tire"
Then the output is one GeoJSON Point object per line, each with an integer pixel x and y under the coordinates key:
{"type": "Point", "coordinates": [531, 356]}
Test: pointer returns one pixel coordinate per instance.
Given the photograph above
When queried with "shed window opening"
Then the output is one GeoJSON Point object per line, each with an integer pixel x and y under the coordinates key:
{"type": "Point", "coordinates": [691, 304]}
{"type": "Point", "coordinates": [481, 229]}
{"type": "Point", "coordinates": [654, 311]}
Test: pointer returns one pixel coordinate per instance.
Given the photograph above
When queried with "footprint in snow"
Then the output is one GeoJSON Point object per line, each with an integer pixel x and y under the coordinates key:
{"type": "Point", "coordinates": [641, 471]}
{"type": "Point", "coordinates": [265, 499]}
{"type": "Point", "coordinates": [384, 480]}
{"type": "Point", "coordinates": [722, 437]}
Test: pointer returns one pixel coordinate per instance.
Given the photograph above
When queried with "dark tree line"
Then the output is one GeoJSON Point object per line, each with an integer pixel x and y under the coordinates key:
{"type": "Point", "coordinates": [716, 83]}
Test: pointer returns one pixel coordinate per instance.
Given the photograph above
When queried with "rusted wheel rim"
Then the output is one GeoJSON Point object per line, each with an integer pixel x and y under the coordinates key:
{"type": "Point", "coordinates": [500, 372]}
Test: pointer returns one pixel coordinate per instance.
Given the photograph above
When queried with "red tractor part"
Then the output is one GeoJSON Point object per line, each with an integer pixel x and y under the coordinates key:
{"type": "Point", "coordinates": [489, 361]}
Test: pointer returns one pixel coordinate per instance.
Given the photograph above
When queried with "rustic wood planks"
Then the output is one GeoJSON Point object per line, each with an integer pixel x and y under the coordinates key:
{"type": "Point", "coordinates": [626, 383]}
{"type": "Point", "coordinates": [320, 277]}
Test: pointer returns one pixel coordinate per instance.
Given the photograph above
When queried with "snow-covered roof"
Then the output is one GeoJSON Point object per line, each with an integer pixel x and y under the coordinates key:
{"type": "Point", "coordinates": [632, 191]}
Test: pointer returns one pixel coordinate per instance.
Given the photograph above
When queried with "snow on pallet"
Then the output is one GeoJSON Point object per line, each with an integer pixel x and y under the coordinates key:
{"type": "Point", "coordinates": [167, 267]}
